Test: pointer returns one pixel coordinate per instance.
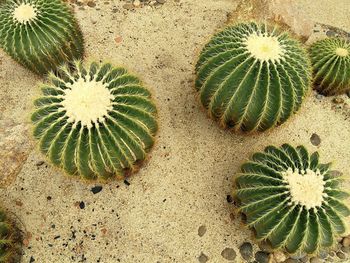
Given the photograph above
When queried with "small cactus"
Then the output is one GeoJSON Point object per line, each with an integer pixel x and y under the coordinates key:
{"type": "Point", "coordinates": [251, 77]}
{"type": "Point", "coordinates": [9, 244]}
{"type": "Point", "coordinates": [96, 122]}
{"type": "Point", "coordinates": [331, 65]}
{"type": "Point", "coordinates": [291, 200]}
{"type": "Point", "coordinates": [40, 35]}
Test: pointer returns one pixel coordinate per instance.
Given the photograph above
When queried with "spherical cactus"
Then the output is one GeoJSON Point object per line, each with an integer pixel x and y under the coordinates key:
{"type": "Point", "coordinates": [9, 244]}
{"type": "Point", "coordinates": [40, 35]}
{"type": "Point", "coordinates": [252, 77]}
{"type": "Point", "coordinates": [331, 65]}
{"type": "Point", "coordinates": [291, 200]}
{"type": "Point", "coordinates": [95, 122]}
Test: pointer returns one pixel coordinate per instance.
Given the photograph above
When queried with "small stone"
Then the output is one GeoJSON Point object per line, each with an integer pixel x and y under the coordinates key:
{"type": "Point", "coordinates": [246, 250]}
{"type": "Point", "coordinates": [82, 205]}
{"type": "Point", "coordinates": [39, 163]}
{"type": "Point", "coordinates": [137, 3]}
{"type": "Point", "coordinates": [341, 255]}
{"type": "Point", "coordinates": [229, 199]}
{"type": "Point", "coordinates": [291, 260]}
{"type": "Point", "coordinates": [346, 242]}
{"type": "Point", "coordinates": [31, 260]}
{"type": "Point", "coordinates": [96, 189]}
{"type": "Point", "coordinates": [330, 33]}
{"type": "Point", "coordinates": [279, 256]}
{"type": "Point", "coordinates": [298, 256]}
{"type": "Point", "coordinates": [201, 230]}
{"type": "Point", "coordinates": [262, 257]}
{"type": "Point", "coordinates": [315, 139]}
{"type": "Point", "coordinates": [128, 6]}
{"type": "Point", "coordinates": [161, 1]}
{"type": "Point", "coordinates": [319, 96]}
{"type": "Point", "coordinates": [265, 246]}
{"type": "Point", "coordinates": [315, 260]}
{"type": "Point", "coordinates": [345, 249]}
{"type": "Point", "coordinates": [118, 39]}
{"type": "Point", "coordinates": [228, 253]}
{"type": "Point", "coordinates": [305, 259]}
{"type": "Point", "coordinates": [91, 4]}
{"type": "Point", "coordinates": [338, 100]}
{"type": "Point", "coordinates": [323, 254]}
{"type": "Point", "coordinates": [203, 258]}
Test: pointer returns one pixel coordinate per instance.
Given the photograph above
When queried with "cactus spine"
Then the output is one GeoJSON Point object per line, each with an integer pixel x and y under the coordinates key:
{"type": "Point", "coordinates": [40, 35]}
{"type": "Point", "coordinates": [8, 240]}
{"type": "Point", "coordinates": [331, 65]}
{"type": "Point", "coordinates": [96, 122]}
{"type": "Point", "coordinates": [292, 200]}
{"type": "Point", "coordinates": [251, 77]}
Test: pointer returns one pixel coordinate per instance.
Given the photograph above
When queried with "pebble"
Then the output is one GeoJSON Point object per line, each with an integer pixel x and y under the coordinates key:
{"type": "Point", "coordinates": [345, 249]}
{"type": "Point", "coordinates": [128, 6]}
{"type": "Point", "coordinates": [298, 256]}
{"type": "Point", "coordinates": [82, 205]}
{"type": "Point", "coordinates": [203, 258]}
{"type": "Point", "coordinates": [137, 3]}
{"type": "Point", "coordinates": [291, 260]}
{"type": "Point", "coordinates": [319, 96]}
{"type": "Point", "coordinates": [228, 253]}
{"type": "Point", "coordinates": [201, 230]}
{"type": "Point", "coordinates": [315, 139]}
{"type": "Point", "coordinates": [262, 257]}
{"type": "Point", "coordinates": [161, 1]}
{"type": "Point", "coordinates": [338, 100]}
{"type": "Point", "coordinates": [96, 189]}
{"type": "Point", "coordinates": [315, 260]}
{"type": "Point", "coordinates": [265, 246]}
{"type": "Point", "coordinates": [341, 255]}
{"type": "Point", "coordinates": [91, 4]}
{"type": "Point", "coordinates": [279, 256]}
{"type": "Point", "coordinates": [246, 250]}
{"type": "Point", "coordinates": [346, 241]}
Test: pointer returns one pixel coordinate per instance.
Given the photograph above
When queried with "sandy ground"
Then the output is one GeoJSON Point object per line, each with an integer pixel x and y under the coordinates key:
{"type": "Point", "coordinates": [189, 175]}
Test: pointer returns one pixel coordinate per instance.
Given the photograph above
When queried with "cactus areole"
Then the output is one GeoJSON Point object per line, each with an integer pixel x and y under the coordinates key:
{"type": "Point", "coordinates": [291, 200]}
{"type": "Point", "coordinates": [252, 77]}
{"type": "Point", "coordinates": [40, 35]}
{"type": "Point", "coordinates": [96, 122]}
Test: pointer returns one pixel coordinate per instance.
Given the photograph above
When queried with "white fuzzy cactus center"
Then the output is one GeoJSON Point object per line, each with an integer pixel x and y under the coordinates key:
{"type": "Point", "coordinates": [87, 102]}
{"type": "Point", "coordinates": [342, 52]}
{"type": "Point", "coordinates": [24, 13]}
{"type": "Point", "coordinates": [263, 47]}
{"type": "Point", "coordinates": [306, 187]}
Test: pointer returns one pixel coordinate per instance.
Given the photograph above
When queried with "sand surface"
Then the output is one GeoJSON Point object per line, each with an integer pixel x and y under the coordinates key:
{"type": "Point", "coordinates": [154, 217]}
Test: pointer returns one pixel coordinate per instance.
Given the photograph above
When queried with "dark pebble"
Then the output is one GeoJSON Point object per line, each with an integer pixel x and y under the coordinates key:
{"type": "Point", "coordinates": [338, 100]}
{"type": "Point", "coordinates": [262, 257]}
{"type": "Point", "coordinates": [96, 189]}
{"type": "Point", "coordinates": [40, 163]}
{"type": "Point", "coordinates": [228, 253]}
{"type": "Point", "coordinates": [202, 230]}
{"type": "Point", "coordinates": [341, 255]}
{"type": "Point", "coordinates": [229, 198]}
{"type": "Point", "coordinates": [246, 250]}
{"type": "Point", "coordinates": [31, 260]}
{"type": "Point", "coordinates": [315, 139]}
{"type": "Point", "coordinates": [126, 182]}
{"type": "Point", "coordinates": [203, 258]}
{"type": "Point", "coordinates": [161, 1]}
{"type": "Point", "coordinates": [82, 205]}
{"type": "Point", "coordinates": [91, 4]}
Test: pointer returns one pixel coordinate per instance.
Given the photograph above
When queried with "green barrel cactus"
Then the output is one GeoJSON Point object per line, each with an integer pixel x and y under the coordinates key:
{"type": "Point", "coordinates": [96, 122]}
{"type": "Point", "coordinates": [291, 200]}
{"type": "Point", "coordinates": [331, 65]}
{"type": "Point", "coordinates": [9, 244]}
{"type": "Point", "coordinates": [40, 35]}
{"type": "Point", "coordinates": [251, 77]}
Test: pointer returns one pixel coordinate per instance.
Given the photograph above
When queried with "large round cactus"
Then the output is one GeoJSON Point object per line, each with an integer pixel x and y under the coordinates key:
{"type": "Point", "coordinates": [331, 65]}
{"type": "Point", "coordinates": [9, 244]}
{"type": "Point", "coordinates": [292, 200]}
{"type": "Point", "coordinates": [252, 77]}
{"type": "Point", "coordinates": [96, 121]}
{"type": "Point", "coordinates": [40, 35]}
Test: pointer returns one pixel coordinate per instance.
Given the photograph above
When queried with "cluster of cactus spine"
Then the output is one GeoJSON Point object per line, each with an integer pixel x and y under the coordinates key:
{"type": "Point", "coordinates": [39, 34]}
{"type": "Point", "coordinates": [95, 122]}
{"type": "Point", "coordinates": [331, 65]}
{"type": "Point", "coordinates": [252, 77]}
{"type": "Point", "coordinates": [8, 240]}
{"type": "Point", "coordinates": [292, 200]}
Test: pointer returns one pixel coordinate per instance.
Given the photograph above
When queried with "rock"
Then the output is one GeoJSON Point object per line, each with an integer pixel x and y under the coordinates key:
{"type": "Point", "coordinates": [315, 139]}
{"type": "Point", "coordinates": [246, 250]}
{"type": "Point", "coordinates": [203, 258]}
{"type": "Point", "coordinates": [291, 260]}
{"type": "Point", "coordinates": [316, 260]}
{"type": "Point", "coordinates": [96, 189]}
{"type": "Point", "coordinates": [279, 256]}
{"type": "Point", "coordinates": [262, 257]}
{"type": "Point", "coordinates": [341, 255]}
{"type": "Point", "coordinates": [338, 100]}
{"type": "Point", "coordinates": [298, 256]}
{"type": "Point", "coordinates": [345, 249]}
{"type": "Point", "coordinates": [319, 96]}
{"type": "Point", "coordinates": [91, 4]}
{"type": "Point", "coordinates": [346, 242]}
{"type": "Point", "coordinates": [137, 3]}
{"type": "Point", "coordinates": [161, 1]}
{"type": "Point", "coordinates": [265, 246]}
{"type": "Point", "coordinates": [82, 205]}
{"type": "Point", "coordinates": [201, 230]}
{"type": "Point", "coordinates": [228, 253]}
{"type": "Point", "coordinates": [128, 6]}
{"type": "Point", "coordinates": [15, 147]}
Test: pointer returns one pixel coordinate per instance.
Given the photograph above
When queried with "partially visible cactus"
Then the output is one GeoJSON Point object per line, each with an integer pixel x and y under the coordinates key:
{"type": "Point", "coordinates": [331, 65]}
{"type": "Point", "coordinates": [40, 35]}
{"type": "Point", "coordinates": [95, 122]}
{"type": "Point", "coordinates": [9, 244]}
{"type": "Point", "coordinates": [252, 77]}
{"type": "Point", "coordinates": [292, 200]}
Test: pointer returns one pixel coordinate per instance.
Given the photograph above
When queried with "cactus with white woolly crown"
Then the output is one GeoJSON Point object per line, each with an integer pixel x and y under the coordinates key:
{"type": "Point", "coordinates": [96, 122]}
{"type": "Point", "coordinates": [252, 77]}
{"type": "Point", "coordinates": [40, 34]}
{"type": "Point", "coordinates": [331, 65]}
{"type": "Point", "coordinates": [291, 200]}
